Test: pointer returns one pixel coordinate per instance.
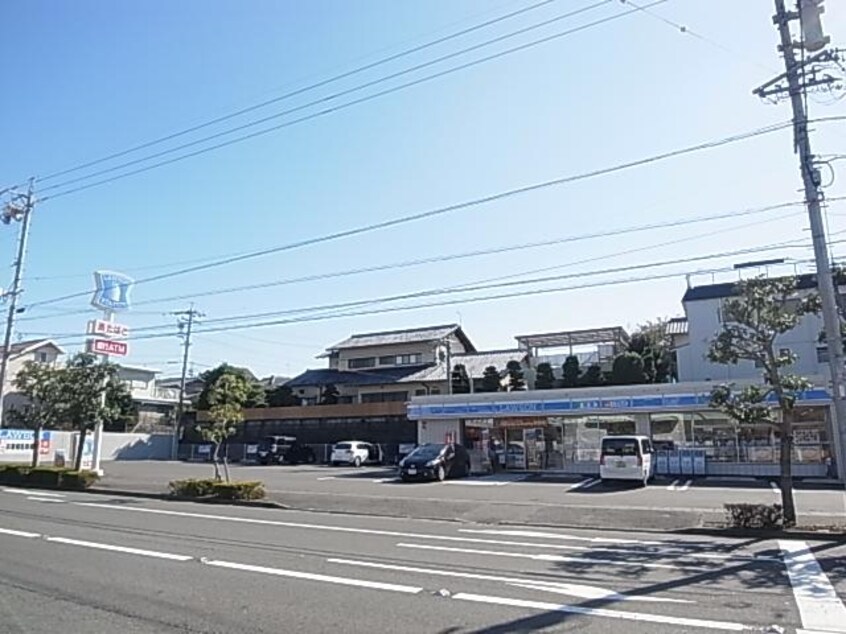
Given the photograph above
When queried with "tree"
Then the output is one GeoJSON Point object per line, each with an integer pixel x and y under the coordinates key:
{"type": "Point", "coordinates": [628, 369]}
{"type": "Point", "coordinates": [282, 396]}
{"type": "Point", "coordinates": [514, 371]}
{"type": "Point", "coordinates": [460, 379]}
{"type": "Point", "coordinates": [570, 372]}
{"type": "Point", "coordinates": [255, 392]}
{"type": "Point", "coordinates": [329, 395]}
{"type": "Point", "coordinates": [82, 384]}
{"type": "Point", "coordinates": [226, 398]}
{"type": "Point", "coordinates": [545, 378]}
{"type": "Point", "coordinates": [40, 383]}
{"type": "Point", "coordinates": [490, 380]}
{"type": "Point", "coordinates": [655, 347]}
{"type": "Point", "coordinates": [592, 376]}
{"type": "Point", "coordinates": [762, 310]}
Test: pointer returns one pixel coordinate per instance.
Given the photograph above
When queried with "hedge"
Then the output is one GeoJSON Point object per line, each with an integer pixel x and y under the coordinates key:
{"type": "Point", "coordinates": [47, 477]}
{"type": "Point", "coordinates": [765, 516]}
{"type": "Point", "coordinates": [212, 489]}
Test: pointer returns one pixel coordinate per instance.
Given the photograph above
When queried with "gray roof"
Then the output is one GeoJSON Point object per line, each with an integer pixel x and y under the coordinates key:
{"type": "Point", "coordinates": [397, 337]}
{"type": "Point", "coordinates": [805, 281]}
{"type": "Point", "coordinates": [33, 344]}
{"type": "Point", "coordinates": [475, 364]}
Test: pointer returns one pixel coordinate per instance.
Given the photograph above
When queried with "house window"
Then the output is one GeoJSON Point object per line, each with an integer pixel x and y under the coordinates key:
{"type": "Point", "coordinates": [391, 360]}
{"type": "Point", "coordinates": [361, 362]}
{"type": "Point", "coordinates": [384, 397]}
{"type": "Point", "coordinates": [420, 392]}
{"type": "Point", "coordinates": [43, 357]}
{"type": "Point", "coordinates": [822, 354]}
{"type": "Point", "coordinates": [409, 359]}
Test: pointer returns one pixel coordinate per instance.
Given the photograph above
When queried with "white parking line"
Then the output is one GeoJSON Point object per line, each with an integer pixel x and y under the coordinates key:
{"type": "Point", "coordinates": [555, 558]}
{"type": "Point", "coordinates": [775, 488]}
{"type": "Point", "coordinates": [575, 590]}
{"type": "Point", "coordinates": [585, 484]}
{"type": "Point", "coordinates": [819, 606]}
{"type": "Point", "coordinates": [685, 486]}
{"type": "Point", "coordinates": [726, 626]}
{"type": "Point", "coordinates": [326, 478]}
{"type": "Point", "coordinates": [673, 486]}
{"type": "Point", "coordinates": [294, 574]}
{"type": "Point", "coordinates": [119, 549]}
{"type": "Point", "coordinates": [9, 531]}
{"type": "Point", "coordinates": [41, 499]}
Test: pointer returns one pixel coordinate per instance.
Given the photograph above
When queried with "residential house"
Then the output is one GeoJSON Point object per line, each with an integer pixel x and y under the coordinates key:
{"type": "Point", "coordinates": [38, 350]}
{"type": "Point", "coordinates": [154, 404]}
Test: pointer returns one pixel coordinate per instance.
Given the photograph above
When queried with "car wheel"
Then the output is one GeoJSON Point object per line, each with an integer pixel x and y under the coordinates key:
{"type": "Point", "coordinates": [440, 474]}
{"type": "Point", "coordinates": [356, 462]}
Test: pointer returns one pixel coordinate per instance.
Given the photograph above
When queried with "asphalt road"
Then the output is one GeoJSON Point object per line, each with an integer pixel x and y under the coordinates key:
{"type": "Point", "coordinates": [73, 562]}
{"type": "Point", "coordinates": [494, 498]}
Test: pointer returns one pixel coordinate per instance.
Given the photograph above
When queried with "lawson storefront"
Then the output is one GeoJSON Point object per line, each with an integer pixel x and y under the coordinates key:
{"type": "Point", "coordinates": [561, 430]}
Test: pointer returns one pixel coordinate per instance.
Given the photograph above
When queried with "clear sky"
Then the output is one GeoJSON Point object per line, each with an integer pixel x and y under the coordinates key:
{"type": "Point", "coordinates": [87, 78]}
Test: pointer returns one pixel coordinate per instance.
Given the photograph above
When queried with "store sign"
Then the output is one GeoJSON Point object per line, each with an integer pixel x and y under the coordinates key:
{"type": "Point", "coordinates": [19, 441]}
{"type": "Point", "coordinates": [108, 347]}
{"type": "Point", "coordinates": [112, 294]}
{"type": "Point", "coordinates": [107, 329]}
{"type": "Point", "coordinates": [564, 406]}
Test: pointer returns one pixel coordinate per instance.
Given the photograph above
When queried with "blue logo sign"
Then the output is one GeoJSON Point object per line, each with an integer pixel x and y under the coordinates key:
{"type": "Point", "coordinates": [112, 292]}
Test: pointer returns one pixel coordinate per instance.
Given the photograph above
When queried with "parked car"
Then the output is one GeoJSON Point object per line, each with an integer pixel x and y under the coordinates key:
{"type": "Point", "coordinates": [355, 453]}
{"type": "Point", "coordinates": [284, 449]}
{"type": "Point", "coordinates": [435, 462]}
{"type": "Point", "coordinates": [626, 458]}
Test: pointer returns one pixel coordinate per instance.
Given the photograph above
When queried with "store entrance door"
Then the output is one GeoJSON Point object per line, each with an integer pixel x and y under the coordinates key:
{"type": "Point", "coordinates": [535, 448]}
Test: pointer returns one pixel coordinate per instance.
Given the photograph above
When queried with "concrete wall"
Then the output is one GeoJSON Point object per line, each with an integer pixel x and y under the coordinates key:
{"type": "Point", "coordinates": [116, 446]}
{"type": "Point", "coordinates": [436, 431]}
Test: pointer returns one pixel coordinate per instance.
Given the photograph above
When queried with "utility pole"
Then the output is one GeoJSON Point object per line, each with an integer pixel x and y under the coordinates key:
{"type": "Point", "coordinates": [186, 322]}
{"type": "Point", "coordinates": [19, 209]}
{"type": "Point", "coordinates": [797, 78]}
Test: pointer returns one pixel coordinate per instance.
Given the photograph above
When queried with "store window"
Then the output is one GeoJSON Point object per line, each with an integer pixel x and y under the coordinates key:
{"type": "Point", "coordinates": [582, 436]}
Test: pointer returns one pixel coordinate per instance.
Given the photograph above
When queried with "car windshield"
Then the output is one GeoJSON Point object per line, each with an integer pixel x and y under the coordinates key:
{"type": "Point", "coordinates": [343, 445]}
{"type": "Point", "coordinates": [619, 447]}
{"type": "Point", "coordinates": [428, 451]}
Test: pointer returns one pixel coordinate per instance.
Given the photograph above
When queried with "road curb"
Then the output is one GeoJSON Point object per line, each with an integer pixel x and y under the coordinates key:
{"type": "Point", "coordinates": [167, 497]}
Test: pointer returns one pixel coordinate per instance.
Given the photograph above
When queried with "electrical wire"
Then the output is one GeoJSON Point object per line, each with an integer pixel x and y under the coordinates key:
{"type": "Point", "coordinates": [439, 211]}
{"type": "Point", "coordinates": [329, 110]}
{"type": "Point", "coordinates": [450, 257]}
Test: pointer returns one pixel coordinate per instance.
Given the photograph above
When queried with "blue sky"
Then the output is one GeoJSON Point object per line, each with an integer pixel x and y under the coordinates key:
{"type": "Point", "coordinates": [88, 78]}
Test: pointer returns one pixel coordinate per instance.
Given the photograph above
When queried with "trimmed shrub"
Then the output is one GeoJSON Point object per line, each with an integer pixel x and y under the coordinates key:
{"type": "Point", "coordinates": [239, 490]}
{"type": "Point", "coordinates": [47, 477]}
{"type": "Point", "coordinates": [766, 516]}
{"type": "Point", "coordinates": [192, 487]}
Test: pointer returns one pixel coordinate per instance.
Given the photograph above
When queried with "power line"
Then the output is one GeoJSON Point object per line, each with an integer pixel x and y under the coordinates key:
{"type": "Point", "coordinates": [329, 110]}
{"type": "Point", "coordinates": [438, 211]}
{"type": "Point", "coordinates": [450, 257]}
{"type": "Point", "coordinates": [300, 91]}
{"type": "Point", "coordinates": [150, 330]}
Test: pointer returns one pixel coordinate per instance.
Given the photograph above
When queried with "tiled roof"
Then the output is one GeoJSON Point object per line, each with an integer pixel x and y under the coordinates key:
{"type": "Point", "coordinates": [32, 344]}
{"type": "Point", "coordinates": [395, 337]}
{"type": "Point", "coordinates": [325, 376]}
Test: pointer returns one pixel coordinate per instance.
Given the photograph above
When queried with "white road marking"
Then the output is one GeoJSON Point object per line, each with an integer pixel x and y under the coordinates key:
{"type": "Point", "coordinates": [294, 574]}
{"type": "Point", "coordinates": [585, 484]}
{"type": "Point", "coordinates": [775, 488]}
{"type": "Point", "coordinates": [672, 487]}
{"type": "Point", "coordinates": [546, 535]}
{"type": "Point", "coordinates": [41, 499]}
{"type": "Point", "coordinates": [326, 478]}
{"type": "Point", "coordinates": [726, 626]}
{"type": "Point", "coordinates": [34, 492]}
{"type": "Point", "coordinates": [9, 531]}
{"type": "Point", "coordinates": [384, 480]}
{"type": "Point", "coordinates": [819, 606]}
{"type": "Point", "coordinates": [555, 558]}
{"type": "Point", "coordinates": [685, 486]}
{"type": "Point", "coordinates": [119, 549]}
{"type": "Point", "coordinates": [575, 590]}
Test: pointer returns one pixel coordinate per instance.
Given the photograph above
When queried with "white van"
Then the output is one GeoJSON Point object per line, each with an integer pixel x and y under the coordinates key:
{"type": "Point", "coordinates": [355, 453]}
{"type": "Point", "coordinates": [626, 458]}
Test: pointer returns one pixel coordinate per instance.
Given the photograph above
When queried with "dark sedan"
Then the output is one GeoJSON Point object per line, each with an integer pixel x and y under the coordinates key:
{"type": "Point", "coordinates": [435, 462]}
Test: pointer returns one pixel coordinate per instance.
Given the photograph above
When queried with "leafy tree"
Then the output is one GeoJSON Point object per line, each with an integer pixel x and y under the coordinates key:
{"type": "Point", "coordinates": [545, 378]}
{"type": "Point", "coordinates": [592, 376]}
{"type": "Point", "coordinates": [329, 395]}
{"type": "Point", "coordinates": [82, 382]}
{"type": "Point", "coordinates": [762, 310]}
{"type": "Point", "coordinates": [628, 369]}
{"type": "Point", "coordinates": [255, 392]}
{"type": "Point", "coordinates": [226, 398]}
{"type": "Point", "coordinates": [570, 372]}
{"type": "Point", "coordinates": [654, 346]}
{"type": "Point", "coordinates": [516, 380]}
{"type": "Point", "coordinates": [40, 383]}
{"type": "Point", "coordinates": [460, 379]}
{"type": "Point", "coordinates": [490, 380]}
{"type": "Point", "coordinates": [282, 396]}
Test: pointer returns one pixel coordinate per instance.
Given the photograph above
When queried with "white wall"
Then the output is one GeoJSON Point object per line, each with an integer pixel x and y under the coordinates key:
{"type": "Point", "coordinates": [435, 431]}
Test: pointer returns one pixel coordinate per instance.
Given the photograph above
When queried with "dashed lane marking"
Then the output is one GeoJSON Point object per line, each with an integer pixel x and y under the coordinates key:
{"type": "Point", "coordinates": [28, 535]}
{"type": "Point", "coordinates": [119, 549]}
{"type": "Point", "coordinates": [37, 492]}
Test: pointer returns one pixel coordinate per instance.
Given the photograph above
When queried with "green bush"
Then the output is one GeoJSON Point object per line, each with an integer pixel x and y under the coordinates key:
{"type": "Point", "coordinates": [47, 477]}
{"type": "Point", "coordinates": [765, 516]}
{"type": "Point", "coordinates": [78, 480]}
{"type": "Point", "coordinates": [239, 490]}
{"type": "Point", "coordinates": [192, 488]}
